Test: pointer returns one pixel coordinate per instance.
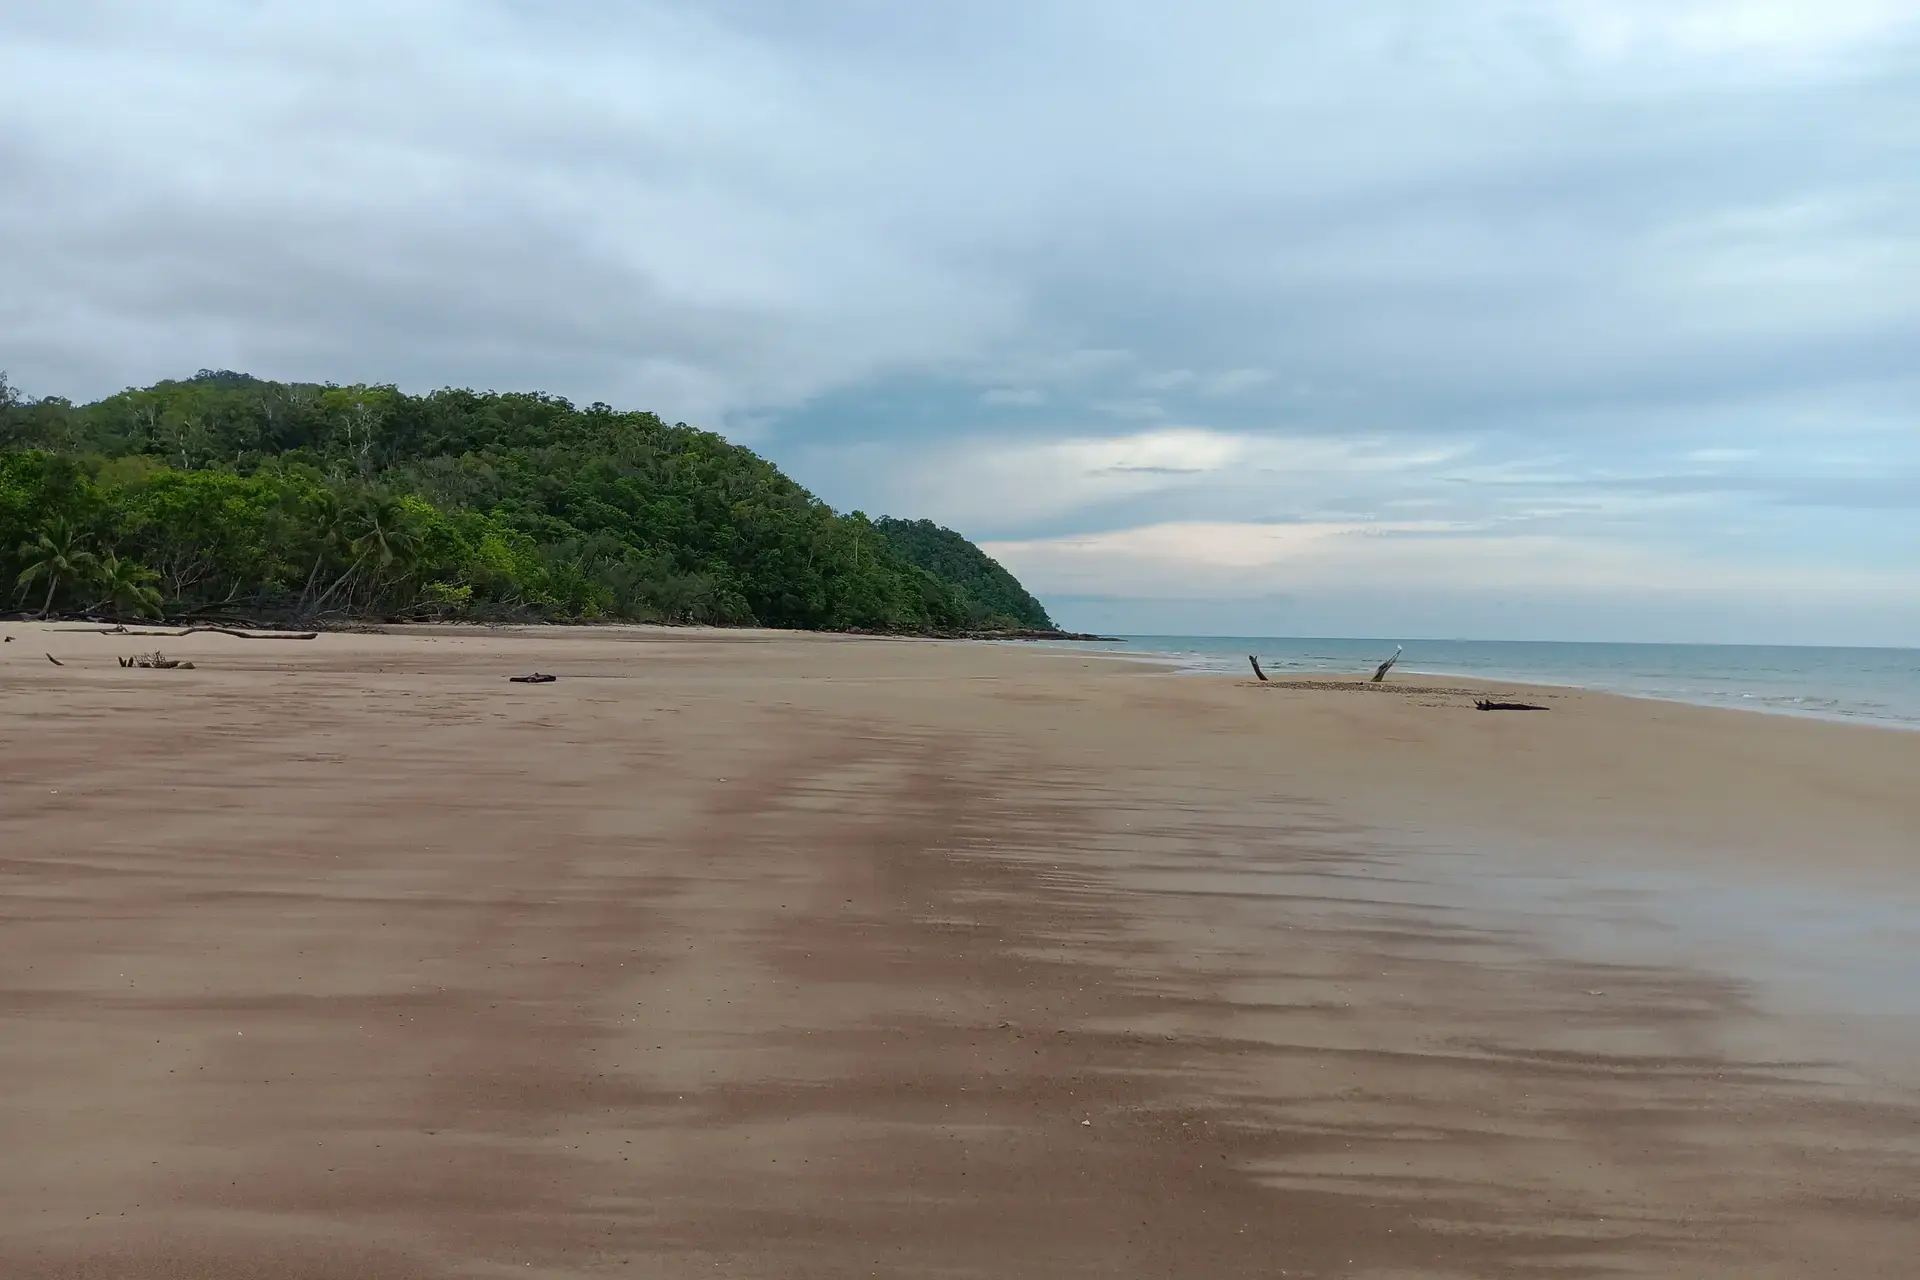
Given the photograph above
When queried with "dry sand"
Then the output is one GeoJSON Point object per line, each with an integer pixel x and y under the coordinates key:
{"type": "Point", "coordinates": [737, 954]}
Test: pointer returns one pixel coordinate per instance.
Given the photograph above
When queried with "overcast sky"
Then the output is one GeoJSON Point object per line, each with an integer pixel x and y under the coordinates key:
{"type": "Point", "coordinates": [1525, 318]}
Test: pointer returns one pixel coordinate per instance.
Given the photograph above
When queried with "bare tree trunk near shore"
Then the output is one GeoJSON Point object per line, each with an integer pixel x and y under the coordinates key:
{"type": "Point", "coordinates": [1381, 673]}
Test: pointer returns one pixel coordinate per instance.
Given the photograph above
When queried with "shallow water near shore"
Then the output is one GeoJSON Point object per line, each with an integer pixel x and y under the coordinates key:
{"type": "Point", "coordinates": [1834, 971]}
{"type": "Point", "coordinates": [1826, 951]}
{"type": "Point", "coordinates": [1876, 686]}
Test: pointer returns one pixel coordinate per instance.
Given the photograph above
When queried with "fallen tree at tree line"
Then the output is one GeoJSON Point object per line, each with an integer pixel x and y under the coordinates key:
{"type": "Point", "coordinates": [224, 495]}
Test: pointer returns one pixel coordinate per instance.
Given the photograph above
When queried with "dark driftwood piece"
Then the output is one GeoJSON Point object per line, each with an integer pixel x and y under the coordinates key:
{"type": "Point", "coordinates": [538, 677]}
{"type": "Point", "coordinates": [219, 631]}
{"type": "Point", "coordinates": [1381, 673]}
{"type": "Point", "coordinates": [1488, 704]}
{"type": "Point", "coordinates": [55, 661]}
{"type": "Point", "coordinates": [156, 660]}
{"type": "Point", "coordinates": [255, 635]}
{"type": "Point", "coordinates": [1256, 666]}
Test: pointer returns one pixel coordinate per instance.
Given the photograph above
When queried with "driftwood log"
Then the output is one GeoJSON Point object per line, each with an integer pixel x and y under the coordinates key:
{"type": "Point", "coordinates": [1256, 666]}
{"type": "Point", "coordinates": [55, 661]}
{"type": "Point", "coordinates": [157, 661]}
{"type": "Point", "coordinates": [1488, 704]}
{"type": "Point", "coordinates": [537, 677]}
{"type": "Point", "coordinates": [218, 631]}
{"type": "Point", "coordinates": [1381, 672]}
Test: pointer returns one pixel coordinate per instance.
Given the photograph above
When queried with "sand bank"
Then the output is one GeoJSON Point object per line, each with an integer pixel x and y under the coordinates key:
{"type": "Point", "coordinates": [772, 956]}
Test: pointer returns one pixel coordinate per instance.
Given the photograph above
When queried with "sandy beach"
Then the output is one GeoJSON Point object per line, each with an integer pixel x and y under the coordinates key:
{"type": "Point", "coordinates": [772, 955]}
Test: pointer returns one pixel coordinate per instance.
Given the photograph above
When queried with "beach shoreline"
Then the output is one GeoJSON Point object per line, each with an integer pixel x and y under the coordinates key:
{"type": "Point", "coordinates": [1869, 685]}
{"type": "Point", "coordinates": [776, 954]}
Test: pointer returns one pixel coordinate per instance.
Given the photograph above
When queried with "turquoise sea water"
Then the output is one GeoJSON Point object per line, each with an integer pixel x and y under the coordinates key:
{"type": "Point", "coordinates": [1880, 686]}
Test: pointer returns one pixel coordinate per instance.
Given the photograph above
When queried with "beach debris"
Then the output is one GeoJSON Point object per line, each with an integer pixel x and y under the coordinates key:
{"type": "Point", "coordinates": [1488, 704]}
{"type": "Point", "coordinates": [156, 661]}
{"type": "Point", "coordinates": [1256, 666]}
{"type": "Point", "coordinates": [123, 630]}
{"type": "Point", "coordinates": [1380, 673]}
{"type": "Point", "coordinates": [55, 661]}
{"type": "Point", "coordinates": [535, 677]}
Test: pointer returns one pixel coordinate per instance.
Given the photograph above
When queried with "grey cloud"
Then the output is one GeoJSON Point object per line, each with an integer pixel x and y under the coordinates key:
{"type": "Point", "coordinates": [1893, 492]}
{"type": "Point", "coordinates": [1445, 213]}
{"type": "Point", "coordinates": [468, 196]}
{"type": "Point", "coordinates": [1580, 247]}
{"type": "Point", "coordinates": [1024, 397]}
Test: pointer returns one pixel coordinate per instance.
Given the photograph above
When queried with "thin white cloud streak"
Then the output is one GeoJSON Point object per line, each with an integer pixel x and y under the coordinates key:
{"type": "Point", "coordinates": [1011, 481]}
{"type": "Point", "coordinates": [1203, 560]}
{"type": "Point", "coordinates": [1167, 474]}
{"type": "Point", "coordinates": [1777, 35]}
{"type": "Point", "coordinates": [1705, 542]}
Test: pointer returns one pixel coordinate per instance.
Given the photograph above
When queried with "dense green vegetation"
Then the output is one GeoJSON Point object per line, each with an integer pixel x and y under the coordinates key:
{"type": "Point", "coordinates": [223, 493]}
{"type": "Point", "coordinates": [988, 592]}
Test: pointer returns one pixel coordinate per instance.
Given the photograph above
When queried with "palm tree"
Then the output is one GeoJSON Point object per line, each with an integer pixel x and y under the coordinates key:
{"type": "Point", "coordinates": [383, 535]}
{"type": "Point", "coordinates": [56, 555]}
{"type": "Point", "coordinates": [379, 533]}
{"type": "Point", "coordinates": [128, 584]}
{"type": "Point", "coordinates": [327, 519]}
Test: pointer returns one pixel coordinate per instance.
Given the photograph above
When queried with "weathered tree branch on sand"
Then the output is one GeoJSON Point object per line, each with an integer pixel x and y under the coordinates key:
{"type": "Point", "coordinates": [1381, 673]}
{"type": "Point", "coordinates": [55, 661]}
{"type": "Point", "coordinates": [538, 677]}
{"type": "Point", "coordinates": [1488, 704]}
{"type": "Point", "coordinates": [155, 660]}
{"type": "Point", "coordinates": [1256, 666]}
{"type": "Point", "coordinates": [219, 631]}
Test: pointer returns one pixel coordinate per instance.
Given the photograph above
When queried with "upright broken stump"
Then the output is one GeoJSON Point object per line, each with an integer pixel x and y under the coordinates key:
{"type": "Point", "coordinates": [1381, 673]}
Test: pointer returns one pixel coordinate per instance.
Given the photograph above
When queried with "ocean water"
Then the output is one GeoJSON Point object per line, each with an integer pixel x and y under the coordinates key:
{"type": "Point", "coordinates": [1879, 686]}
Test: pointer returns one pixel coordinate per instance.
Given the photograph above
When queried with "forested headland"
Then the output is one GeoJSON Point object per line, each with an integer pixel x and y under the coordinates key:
{"type": "Point", "coordinates": [226, 495]}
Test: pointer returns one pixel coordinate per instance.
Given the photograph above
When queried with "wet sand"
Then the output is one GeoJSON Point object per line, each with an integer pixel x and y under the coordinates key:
{"type": "Point", "coordinates": [737, 954]}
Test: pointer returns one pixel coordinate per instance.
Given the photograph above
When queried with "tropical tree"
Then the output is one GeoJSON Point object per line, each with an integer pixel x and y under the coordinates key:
{"type": "Point", "coordinates": [383, 533]}
{"type": "Point", "coordinates": [325, 520]}
{"type": "Point", "coordinates": [57, 555]}
{"type": "Point", "coordinates": [362, 499]}
{"type": "Point", "coordinates": [128, 585]}
{"type": "Point", "coordinates": [381, 537]}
